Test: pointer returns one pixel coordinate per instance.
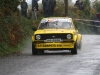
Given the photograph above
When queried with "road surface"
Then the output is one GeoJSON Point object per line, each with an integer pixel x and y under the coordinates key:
{"type": "Point", "coordinates": [86, 62]}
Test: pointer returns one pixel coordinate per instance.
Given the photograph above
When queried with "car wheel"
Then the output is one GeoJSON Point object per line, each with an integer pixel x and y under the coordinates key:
{"type": "Point", "coordinates": [74, 50]}
{"type": "Point", "coordinates": [34, 50]}
{"type": "Point", "coordinates": [80, 45]}
{"type": "Point", "coordinates": [41, 51]}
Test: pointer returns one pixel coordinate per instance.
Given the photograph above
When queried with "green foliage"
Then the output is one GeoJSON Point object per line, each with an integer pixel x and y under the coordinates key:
{"type": "Point", "coordinates": [60, 9]}
{"type": "Point", "coordinates": [96, 6]}
{"type": "Point", "coordinates": [87, 9]}
{"type": "Point", "coordinates": [9, 4]}
{"type": "Point", "coordinates": [13, 30]}
{"type": "Point", "coordinates": [84, 27]}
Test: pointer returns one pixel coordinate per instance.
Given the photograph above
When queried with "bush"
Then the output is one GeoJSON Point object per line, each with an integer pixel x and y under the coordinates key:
{"type": "Point", "coordinates": [9, 4]}
{"type": "Point", "coordinates": [96, 6]}
{"type": "Point", "coordinates": [13, 30]}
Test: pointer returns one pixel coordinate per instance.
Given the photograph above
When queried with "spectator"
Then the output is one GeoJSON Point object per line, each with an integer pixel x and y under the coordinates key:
{"type": "Point", "coordinates": [34, 5]}
{"type": "Point", "coordinates": [42, 2]}
{"type": "Point", "coordinates": [77, 4]}
{"type": "Point", "coordinates": [24, 7]}
{"type": "Point", "coordinates": [34, 8]}
{"type": "Point", "coordinates": [46, 7]}
{"type": "Point", "coordinates": [81, 6]}
{"type": "Point", "coordinates": [52, 6]}
{"type": "Point", "coordinates": [97, 18]}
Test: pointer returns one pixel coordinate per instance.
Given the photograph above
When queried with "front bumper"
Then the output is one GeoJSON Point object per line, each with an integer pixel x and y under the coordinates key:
{"type": "Point", "coordinates": [60, 46]}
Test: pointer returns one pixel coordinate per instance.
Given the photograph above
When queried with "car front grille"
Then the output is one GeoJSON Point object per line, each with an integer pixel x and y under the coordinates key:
{"type": "Point", "coordinates": [53, 36]}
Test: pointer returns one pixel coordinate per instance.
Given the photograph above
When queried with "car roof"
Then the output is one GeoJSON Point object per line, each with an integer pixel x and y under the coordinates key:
{"type": "Point", "coordinates": [57, 18]}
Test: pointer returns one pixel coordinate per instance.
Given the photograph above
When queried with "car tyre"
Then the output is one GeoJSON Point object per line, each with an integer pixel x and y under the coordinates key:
{"type": "Point", "coordinates": [34, 50]}
{"type": "Point", "coordinates": [74, 50]}
{"type": "Point", "coordinates": [41, 52]}
{"type": "Point", "coordinates": [80, 45]}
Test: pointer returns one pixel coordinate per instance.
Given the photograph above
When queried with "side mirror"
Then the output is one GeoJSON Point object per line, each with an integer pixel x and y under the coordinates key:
{"type": "Point", "coordinates": [34, 29]}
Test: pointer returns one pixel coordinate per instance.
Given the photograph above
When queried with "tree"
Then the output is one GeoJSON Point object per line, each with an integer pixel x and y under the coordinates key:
{"type": "Point", "coordinates": [87, 7]}
{"type": "Point", "coordinates": [96, 6]}
{"type": "Point", "coordinates": [66, 7]}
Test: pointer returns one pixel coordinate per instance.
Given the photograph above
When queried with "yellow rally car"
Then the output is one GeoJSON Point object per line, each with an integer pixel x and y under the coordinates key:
{"type": "Point", "coordinates": [56, 33]}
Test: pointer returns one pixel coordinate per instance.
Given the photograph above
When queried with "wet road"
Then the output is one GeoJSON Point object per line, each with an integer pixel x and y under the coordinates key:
{"type": "Point", "coordinates": [86, 62]}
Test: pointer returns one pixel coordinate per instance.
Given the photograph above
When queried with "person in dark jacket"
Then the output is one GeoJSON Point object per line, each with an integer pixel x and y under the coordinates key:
{"type": "Point", "coordinates": [34, 8]}
{"type": "Point", "coordinates": [42, 2]}
{"type": "Point", "coordinates": [52, 6]}
{"type": "Point", "coordinates": [81, 7]}
{"type": "Point", "coordinates": [34, 5]}
{"type": "Point", "coordinates": [95, 23]}
{"type": "Point", "coordinates": [46, 7]}
{"type": "Point", "coordinates": [24, 8]}
{"type": "Point", "coordinates": [77, 4]}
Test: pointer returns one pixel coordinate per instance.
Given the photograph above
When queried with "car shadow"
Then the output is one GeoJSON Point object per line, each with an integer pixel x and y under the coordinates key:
{"type": "Point", "coordinates": [48, 53]}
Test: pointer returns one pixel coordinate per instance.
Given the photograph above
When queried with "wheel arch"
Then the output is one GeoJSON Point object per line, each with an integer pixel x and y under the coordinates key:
{"type": "Point", "coordinates": [79, 38]}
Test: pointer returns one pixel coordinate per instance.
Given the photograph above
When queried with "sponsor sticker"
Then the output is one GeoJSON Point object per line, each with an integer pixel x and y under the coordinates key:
{"type": "Point", "coordinates": [50, 20]}
{"type": "Point", "coordinates": [63, 20]}
{"type": "Point", "coordinates": [49, 45]}
{"type": "Point", "coordinates": [53, 20]}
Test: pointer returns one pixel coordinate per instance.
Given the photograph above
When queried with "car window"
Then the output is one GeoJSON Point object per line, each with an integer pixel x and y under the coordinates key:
{"type": "Point", "coordinates": [56, 24]}
{"type": "Point", "coordinates": [67, 25]}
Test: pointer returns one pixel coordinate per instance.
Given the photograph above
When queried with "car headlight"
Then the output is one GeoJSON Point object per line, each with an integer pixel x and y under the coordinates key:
{"type": "Point", "coordinates": [38, 37]}
{"type": "Point", "coordinates": [69, 36]}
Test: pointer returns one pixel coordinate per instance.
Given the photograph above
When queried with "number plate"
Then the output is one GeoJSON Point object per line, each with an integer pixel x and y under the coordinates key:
{"type": "Point", "coordinates": [53, 40]}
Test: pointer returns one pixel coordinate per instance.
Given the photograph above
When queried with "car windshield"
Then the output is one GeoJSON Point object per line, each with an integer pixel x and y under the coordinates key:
{"type": "Point", "coordinates": [56, 24]}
